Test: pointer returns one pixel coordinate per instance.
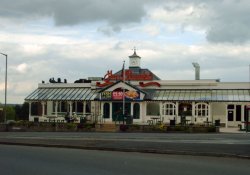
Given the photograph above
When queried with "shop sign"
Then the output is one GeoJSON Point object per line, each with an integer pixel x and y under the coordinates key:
{"type": "Point", "coordinates": [129, 76]}
{"type": "Point", "coordinates": [106, 95]}
{"type": "Point", "coordinates": [118, 95]}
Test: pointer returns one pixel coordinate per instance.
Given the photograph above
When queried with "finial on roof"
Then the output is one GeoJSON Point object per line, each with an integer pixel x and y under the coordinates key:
{"type": "Point", "coordinates": [134, 54]}
{"type": "Point", "coordinates": [134, 50]}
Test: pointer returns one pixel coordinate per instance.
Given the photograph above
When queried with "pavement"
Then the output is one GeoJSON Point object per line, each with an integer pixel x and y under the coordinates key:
{"type": "Point", "coordinates": [228, 143]}
{"type": "Point", "coordinates": [231, 130]}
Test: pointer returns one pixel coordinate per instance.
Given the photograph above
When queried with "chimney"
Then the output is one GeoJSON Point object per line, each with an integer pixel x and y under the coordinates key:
{"type": "Point", "coordinates": [197, 71]}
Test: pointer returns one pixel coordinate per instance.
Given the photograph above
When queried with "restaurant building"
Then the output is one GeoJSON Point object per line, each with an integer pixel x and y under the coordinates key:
{"type": "Point", "coordinates": [140, 93]}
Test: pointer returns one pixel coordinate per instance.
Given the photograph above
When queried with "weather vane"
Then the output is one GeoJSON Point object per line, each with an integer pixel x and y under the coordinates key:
{"type": "Point", "coordinates": [134, 49]}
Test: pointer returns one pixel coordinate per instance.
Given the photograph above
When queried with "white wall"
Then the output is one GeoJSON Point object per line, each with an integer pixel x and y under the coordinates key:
{"type": "Point", "coordinates": [219, 111]}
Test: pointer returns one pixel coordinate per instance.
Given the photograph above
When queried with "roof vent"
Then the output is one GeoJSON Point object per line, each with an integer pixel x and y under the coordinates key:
{"type": "Point", "coordinates": [197, 71]}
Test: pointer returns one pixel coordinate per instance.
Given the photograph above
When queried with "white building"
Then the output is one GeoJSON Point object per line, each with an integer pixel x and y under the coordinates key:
{"type": "Point", "coordinates": [146, 97]}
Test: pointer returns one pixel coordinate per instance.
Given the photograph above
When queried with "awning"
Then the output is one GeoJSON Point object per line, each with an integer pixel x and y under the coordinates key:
{"type": "Point", "coordinates": [216, 95]}
{"type": "Point", "coordinates": [62, 94]}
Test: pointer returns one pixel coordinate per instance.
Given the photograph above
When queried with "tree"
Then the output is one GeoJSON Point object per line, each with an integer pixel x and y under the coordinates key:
{"type": "Point", "coordinates": [10, 112]}
{"type": "Point", "coordinates": [22, 111]}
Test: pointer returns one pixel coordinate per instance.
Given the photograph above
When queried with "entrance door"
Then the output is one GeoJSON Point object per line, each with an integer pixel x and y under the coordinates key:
{"type": "Point", "coordinates": [117, 110]}
{"type": "Point", "coordinates": [230, 115]}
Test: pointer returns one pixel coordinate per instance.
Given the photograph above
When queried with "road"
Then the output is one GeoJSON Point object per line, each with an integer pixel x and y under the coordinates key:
{"type": "Point", "coordinates": [24, 160]}
{"type": "Point", "coordinates": [218, 138]}
{"type": "Point", "coordinates": [227, 145]}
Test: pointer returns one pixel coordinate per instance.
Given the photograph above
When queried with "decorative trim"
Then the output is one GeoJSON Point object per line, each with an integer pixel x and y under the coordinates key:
{"type": "Point", "coordinates": [142, 84]}
{"type": "Point", "coordinates": [104, 84]}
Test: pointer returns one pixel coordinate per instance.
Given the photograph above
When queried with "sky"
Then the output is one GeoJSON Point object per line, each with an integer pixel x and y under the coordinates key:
{"type": "Point", "coordinates": [73, 39]}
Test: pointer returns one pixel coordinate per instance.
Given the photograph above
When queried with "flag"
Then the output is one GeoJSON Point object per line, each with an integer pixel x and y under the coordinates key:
{"type": "Point", "coordinates": [123, 72]}
{"type": "Point", "coordinates": [123, 91]}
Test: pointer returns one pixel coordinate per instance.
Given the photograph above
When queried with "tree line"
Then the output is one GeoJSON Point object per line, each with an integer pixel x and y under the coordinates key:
{"type": "Point", "coordinates": [15, 112]}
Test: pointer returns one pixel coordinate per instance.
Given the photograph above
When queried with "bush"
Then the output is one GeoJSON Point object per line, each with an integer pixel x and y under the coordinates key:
{"type": "Point", "coordinates": [123, 128]}
{"type": "Point", "coordinates": [71, 125]}
{"type": "Point", "coordinates": [86, 126]}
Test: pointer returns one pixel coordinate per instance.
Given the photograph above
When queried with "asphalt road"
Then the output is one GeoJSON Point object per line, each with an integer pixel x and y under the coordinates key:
{"type": "Point", "coordinates": [226, 145]}
{"type": "Point", "coordinates": [24, 160]}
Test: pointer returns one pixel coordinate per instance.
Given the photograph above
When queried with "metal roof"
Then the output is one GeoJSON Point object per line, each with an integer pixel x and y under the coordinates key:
{"type": "Point", "coordinates": [215, 95]}
{"type": "Point", "coordinates": [62, 94]}
{"type": "Point", "coordinates": [80, 94]}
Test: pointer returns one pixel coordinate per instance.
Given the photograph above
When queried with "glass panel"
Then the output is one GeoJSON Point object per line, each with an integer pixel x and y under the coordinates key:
{"type": "Point", "coordinates": [153, 109]}
{"type": "Point", "coordinates": [202, 96]}
{"type": "Point", "coordinates": [230, 96]}
{"type": "Point", "coordinates": [241, 95]}
{"type": "Point", "coordinates": [165, 96]}
{"type": "Point", "coordinates": [219, 95]}
{"type": "Point", "coordinates": [181, 95]}
{"type": "Point", "coordinates": [161, 94]}
{"type": "Point", "coordinates": [197, 95]}
{"type": "Point", "coordinates": [42, 93]}
{"type": "Point", "coordinates": [95, 93]}
{"type": "Point", "coordinates": [54, 95]}
{"type": "Point", "coordinates": [84, 97]}
{"type": "Point", "coordinates": [33, 94]}
{"type": "Point", "coordinates": [247, 95]}
{"type": "Point", "coordinates": [171, 95]}
{"type": "Point", "coordinates": [82, 94]}
{"type": "Point", "coordinates": [214, 95]}
{"type": "Point", "coordinates": [176, 95]}
{"type": "Point", "coordinates": [225, 95]}
{"type": "Point", "coordinates": [69, 92]}
{"type": "Point", "coordinates": [136, 111]}
{"type": "Point", "coordinates": [209, 95]}
{"type": "Point", "coordinates": [106, 110]}
{"type": "Point", "coordinates": [60, 94]}
{"type": "Point", "coordinates": [73, 94]}
{"type": "Point", "coordinates": [90, 95]}
{"type": "Point", "coordinates": [50, 93]}
{"type": "Point", "coordinates": [77, 94]}
{"type": "Point", "coordinates": [238, 112]}
{"type": "Point", "coordinates": [156, 94]}
{"type": "Point", "coordinates": [236, 95]}
{"type": "Point", "coordinates": [192, 95]}
{"type": "Point", "coordinates": [187, 95]}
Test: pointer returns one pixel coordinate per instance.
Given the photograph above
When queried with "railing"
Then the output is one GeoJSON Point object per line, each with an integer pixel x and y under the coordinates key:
{"type": "Point", "coordinates": [100, 119]}
{"type": "Point", "coordinates": [119, 118]}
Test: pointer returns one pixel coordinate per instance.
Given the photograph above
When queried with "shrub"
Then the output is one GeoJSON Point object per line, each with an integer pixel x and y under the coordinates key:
{"type": "Point", "coordinates": [123, 128]}
{"type": "Point", "coordinates": [71, 125]}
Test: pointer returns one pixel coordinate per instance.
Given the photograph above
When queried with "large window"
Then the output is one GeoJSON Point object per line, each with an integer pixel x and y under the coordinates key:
{"type": "Point", "coordinates": [238, 112]}
{"type": "Point", "coordinates": [136, 111]}
{"type": "Point", "coordinates": [230, 112]}
{"type": "Point", "coordinates": [153, 109]}
{"type": "Point", "coordinates": [106, 110]}
{"type": "Point", "coordinates": [88, 107]}
{"type": "Point", "coordinates": [168, 109]}
{"type": "Point", "coordinates": [201, 110]}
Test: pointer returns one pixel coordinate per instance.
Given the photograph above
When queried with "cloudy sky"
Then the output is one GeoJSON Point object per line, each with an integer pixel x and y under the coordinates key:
{"type": "Point", "coordinates": [75, 39]}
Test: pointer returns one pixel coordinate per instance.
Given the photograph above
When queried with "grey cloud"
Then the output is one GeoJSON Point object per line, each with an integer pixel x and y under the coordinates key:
{"type": "Point", "coordinates": [73, 12]}
{"type": "Point", "coordinates": [224, 21]}
{"type": "Point", "coordinates": [230, 22]}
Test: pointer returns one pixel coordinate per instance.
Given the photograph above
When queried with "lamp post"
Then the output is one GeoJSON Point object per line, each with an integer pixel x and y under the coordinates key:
{"type": "Point", "coordinates": [5, 89]}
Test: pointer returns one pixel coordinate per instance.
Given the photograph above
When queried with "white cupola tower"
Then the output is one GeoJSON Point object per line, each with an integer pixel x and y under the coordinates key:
{"type": "Point", "coordinates": [134, 60]}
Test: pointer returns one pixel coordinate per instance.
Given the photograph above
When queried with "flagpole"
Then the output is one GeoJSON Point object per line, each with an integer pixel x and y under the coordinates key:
{"type": "Point", "coordinates": [123, 92]}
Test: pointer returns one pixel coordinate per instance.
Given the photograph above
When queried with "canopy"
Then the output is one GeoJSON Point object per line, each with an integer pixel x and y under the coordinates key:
{"type": "Point", "coordinates": [62, 94]}
{"type": "Point", "coordinates": [216, 95]}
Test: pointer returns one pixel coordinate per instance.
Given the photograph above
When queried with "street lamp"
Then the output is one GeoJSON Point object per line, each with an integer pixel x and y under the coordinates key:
{"type": "Point", "coordinates": [5, 97]}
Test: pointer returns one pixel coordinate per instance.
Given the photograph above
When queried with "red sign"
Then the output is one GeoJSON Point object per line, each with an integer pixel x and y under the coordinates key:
{"type": "Point", "coordinates": [129, 76]}
{"type": "Point", "coordinates": [117, 95]}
